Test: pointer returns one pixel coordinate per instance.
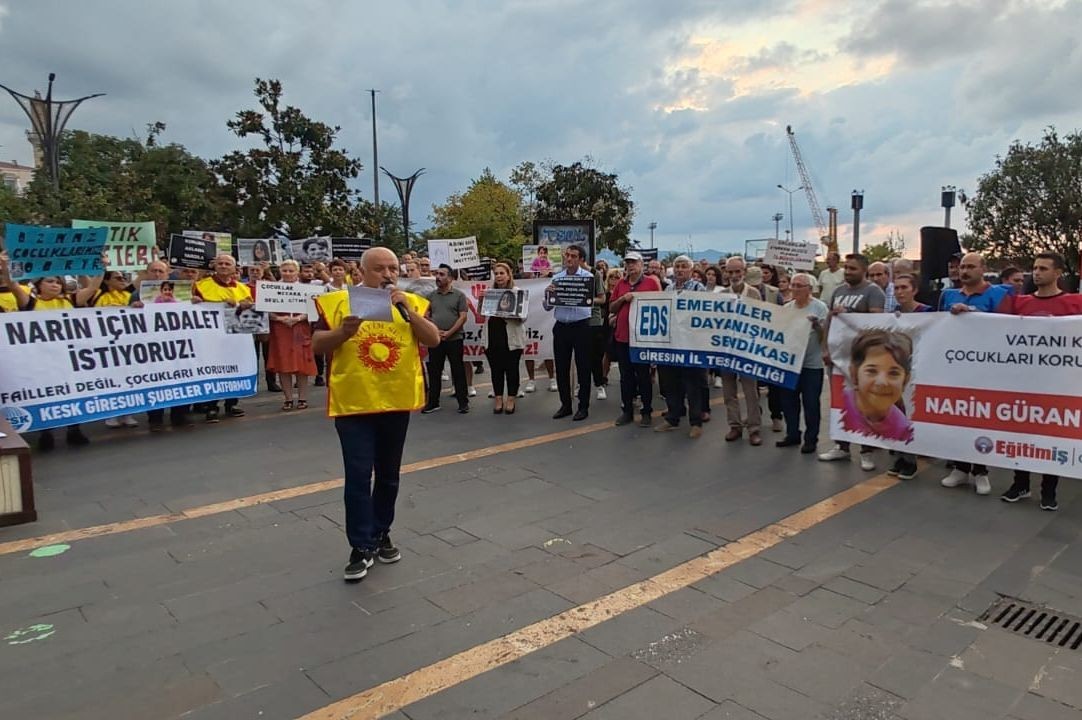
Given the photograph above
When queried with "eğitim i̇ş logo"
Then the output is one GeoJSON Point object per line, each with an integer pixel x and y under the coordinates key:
{"type": "Point", "coordinates": [984, 445]}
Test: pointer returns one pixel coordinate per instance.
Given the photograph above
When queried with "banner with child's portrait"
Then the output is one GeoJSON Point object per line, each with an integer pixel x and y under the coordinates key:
{"type": "Point", "coordinates": [999, 390]}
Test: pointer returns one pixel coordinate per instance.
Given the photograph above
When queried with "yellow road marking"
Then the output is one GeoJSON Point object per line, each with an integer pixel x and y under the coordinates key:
{"type": "Point", "coordinates": [431, 679]}
{"type": "Point", "coordinates": [123, 526]}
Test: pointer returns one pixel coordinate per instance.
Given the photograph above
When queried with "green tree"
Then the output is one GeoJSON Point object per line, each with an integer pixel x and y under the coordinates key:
{"type": "Point", "coordinates": [889, 249]}
{"type": "Point", "coordinates": [581, 192]}
{"type": "Point", "coordinates": [296, 176]}
{"type": "Point", "coordinates": [490, 210]}
{"type": "Point", "coordinates": [1031, 202]}
{"type": "Point", "coordinates": [363, 221]}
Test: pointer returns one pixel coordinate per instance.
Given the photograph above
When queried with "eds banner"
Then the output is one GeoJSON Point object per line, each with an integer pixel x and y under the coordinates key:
{"type": "Point", "coordinates": [999, 390]}
{"type": "Point", "coordinates": [59, 367]}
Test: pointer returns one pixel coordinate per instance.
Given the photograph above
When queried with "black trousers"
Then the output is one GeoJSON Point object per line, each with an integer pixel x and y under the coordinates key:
{"type": "Point", "coordinates": [504, 365]}
{"type": "Point", "coordinates": [600, 343]}
{"type": "Point", "coordinates": [1049, 483]}
{"type": "Point", "coordinates": [683, 385]}
{"type": "Point", "coordinates": [634, 380]}
{"type": "Point", "coordinates": [572, 339]}
{"type": "Point", "coordinates": [450, 350]}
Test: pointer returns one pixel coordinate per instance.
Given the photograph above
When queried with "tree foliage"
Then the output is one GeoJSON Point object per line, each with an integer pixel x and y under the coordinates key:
{"type": "Point", "coordinates": [889, 249]}
{"type": "Point", "coordinates": [581, 192]}
{"type": "Point", "coordinates": [295, 176]}
{"type": "Point", "coordinates": [1031, 202]}
{"type": "Point", "coordinates": [490, 210]}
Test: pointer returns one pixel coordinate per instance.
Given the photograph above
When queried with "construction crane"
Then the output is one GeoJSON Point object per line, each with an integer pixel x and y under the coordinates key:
{"type": "Point", "coordinates": [828, 230]}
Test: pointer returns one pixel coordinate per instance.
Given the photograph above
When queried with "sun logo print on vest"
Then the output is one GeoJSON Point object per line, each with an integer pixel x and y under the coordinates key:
{"type": "Point", "coordinates": [379, 353]}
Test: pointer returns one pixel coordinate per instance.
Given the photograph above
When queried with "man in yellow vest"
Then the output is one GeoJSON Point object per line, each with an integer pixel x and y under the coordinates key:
{"type": "Point", "coordinates": [222, 287]}
{"type": "Point", "coordinates": [374, 381]}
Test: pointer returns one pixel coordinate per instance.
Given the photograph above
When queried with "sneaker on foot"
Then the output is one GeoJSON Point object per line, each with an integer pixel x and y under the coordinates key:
{"type": "Point", "coordinates": [665, 426]}
{"type": "Point", "coordinates": [530, 387]}
{"type": "Point", "coordinates": [471, 392]}
{"type": "Point", "coordinates": [695, 432]}
{"type": "Point", "coordinates": [387, 552]}
{"type": "Point", "coordinates": [895, 468]}
{"type": "Point", "coordinates": [907, 471]}
{"type": "Point", "coordinates": [212, 416]}
{"type": "Point", "coordinates": [521, 393]}
{"type": "Point", "coordinates": [1048, 502]}
{"type": "Point", "coordinates": [982, 484]}
{"type": "Point", "coordinates": [1015, 493]}
{"type": "Point", "coordinates": [623, 419]}
{"type": "Point", "coordinates": [834, 453]}
{"type": "Point", "coordinates": [553, 387]}
{"type": "Point", "coordinates": [717, 382]}
{"type": "Point", "coordinates": [130, 422]}
{"type": "Point", "coordinates": [443, 377]}
{"type": "Point", "coordinates": [867, 462]}
{"type": "Point", "coordinates": [601, 393]}
{"type": "Point", "coordinates": [359, 562]}
{"type": "Point", "coordinates": [492, 393]}
{"type": "Point", "coordinates": [112, 423]}
{"type": "Point", "coordinates": [776, 425]}
{"type": "Point", "coordinates": [429, 409]}
{"type": "Point", "coordinates": [646, 420]}
{"type": "Point", "coordinates": [954, 479]}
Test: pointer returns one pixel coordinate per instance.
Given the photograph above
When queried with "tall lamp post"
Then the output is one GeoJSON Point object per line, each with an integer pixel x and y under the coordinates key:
{"type": "Point", "coordinates": [785, 189]}
{"type": "Point", "coordinates": [404, 186]}
{"type": "Point", "coordinates": [946, 198]}
{"type": "Point", "coordinates": [375, 166]}
{"type": "Point", "coordinates": [653, 227]}
{"type": "Point", "coordinates": [857, 204]}
{"type": "Point", "coordinates": [777, 219]}
{"type": "Point", "coordinates": [48, 118]}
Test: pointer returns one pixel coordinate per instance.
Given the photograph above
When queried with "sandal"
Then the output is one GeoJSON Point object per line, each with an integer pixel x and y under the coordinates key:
{"type": "Point", "coordinates": [302, 404]}
{"type": "Point", "coordinates": [287, 406]}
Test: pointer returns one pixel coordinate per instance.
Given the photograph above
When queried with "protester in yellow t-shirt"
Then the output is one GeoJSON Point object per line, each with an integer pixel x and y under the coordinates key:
{"type": "Point", "coordinates": [115, 291]}
{"type": "Point", "coordinates": [374, 381]}
{"type": "Point", "coordinates": [222, 286]}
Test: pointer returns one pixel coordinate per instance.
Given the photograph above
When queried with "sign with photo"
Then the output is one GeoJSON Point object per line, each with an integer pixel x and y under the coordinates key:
{"type": "Point", "coordinates": [789, 254]}
{"type": "Point", "coordinates": [256, 251]}
{"type": "Point", "coordinates": [459, 253]}
{"type": "Point", "coordinates": [129, 245]}
{"type": "Point", "coordinates": [191, 252]}
{"type": "Point", "coordinates": [541, 260]}
{"type": "Point", "coordinates": [511, 303]}
{"type": "Point", "coordinates": [563, 233]}
{"type": "Point", "coordinates": [247, 321]}
{"type": "Point", "coordinates": [312, 249]}
{"type": "Point", "coordinates": [538, 323]}
{"type": "Point", "coordinates": [36, 251]}
{"type": "Point", "coordinates": [349, 248]}
{"type": "Point", "coordinates": [571, 291]}
{"type": "Point", "coordinates": [152, 292]}
{"type": "Point", "coordinates": [223, 242]}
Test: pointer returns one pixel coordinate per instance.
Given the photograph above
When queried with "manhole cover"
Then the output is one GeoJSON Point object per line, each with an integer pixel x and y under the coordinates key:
{"type": "Point", "coordinates": [1035, 621]}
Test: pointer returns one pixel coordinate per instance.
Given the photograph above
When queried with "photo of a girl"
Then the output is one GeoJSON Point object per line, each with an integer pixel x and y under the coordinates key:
{"type": "Point", "coordinates": [880, 362]}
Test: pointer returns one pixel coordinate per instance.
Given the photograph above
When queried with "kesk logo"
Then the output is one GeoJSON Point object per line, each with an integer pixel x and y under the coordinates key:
{"type": "Point", "coordinates": [20, 419]}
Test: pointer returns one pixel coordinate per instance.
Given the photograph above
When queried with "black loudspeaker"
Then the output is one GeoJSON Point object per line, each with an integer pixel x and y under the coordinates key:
{"type": "Point", "coordinates": [937, 246]}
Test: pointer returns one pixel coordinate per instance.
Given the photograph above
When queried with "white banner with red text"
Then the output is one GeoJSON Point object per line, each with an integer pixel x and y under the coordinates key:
{"type": "Point", "coordinates": [62, 367]}
{"type": "Point", "coordinates": [998, 390]}
{"type": "Point", "coordinates": [719, 331]}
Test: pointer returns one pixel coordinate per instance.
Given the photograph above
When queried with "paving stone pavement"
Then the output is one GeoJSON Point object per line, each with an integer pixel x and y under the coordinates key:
{"type": "Point", "coordinates": [872, 613]}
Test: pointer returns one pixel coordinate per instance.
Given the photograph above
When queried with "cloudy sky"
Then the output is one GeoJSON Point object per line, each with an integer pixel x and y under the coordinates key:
{"type": "Point", "coordinates": [686, 100]}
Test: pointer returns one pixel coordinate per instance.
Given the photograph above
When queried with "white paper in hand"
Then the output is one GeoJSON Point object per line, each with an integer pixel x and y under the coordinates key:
{"type": "Point", "coordinates": [370, 303]}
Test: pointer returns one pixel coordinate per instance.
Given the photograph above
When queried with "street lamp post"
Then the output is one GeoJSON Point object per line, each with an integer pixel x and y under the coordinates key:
{"type": "Point", "coordinates": [777, 219]}
{"type": "Point", "coordinates": [375, 166]}
{"type": "Point", "coordinates": [404, 186]}
{"type": "Point", "coordinates": [785, 189]}
{"type": "Point", "coordinates": [48, 118]}
{"type": "Point", "coordinates": [653, 227]}
{"type": "Point", "coordinates": [946, 198]}
{"type": "Point", "coordinates": [857, 204]}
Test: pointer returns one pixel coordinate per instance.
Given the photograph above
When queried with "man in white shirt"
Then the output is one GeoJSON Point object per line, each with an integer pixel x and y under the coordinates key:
{"type": "Point", "coordinates": [571, 335]}
{"type": "Point", "coordinates": [831, 277]}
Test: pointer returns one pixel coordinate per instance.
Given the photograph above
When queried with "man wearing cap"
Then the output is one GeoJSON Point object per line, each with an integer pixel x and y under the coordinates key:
{"type": "Point", "coordinates": [634, 377]}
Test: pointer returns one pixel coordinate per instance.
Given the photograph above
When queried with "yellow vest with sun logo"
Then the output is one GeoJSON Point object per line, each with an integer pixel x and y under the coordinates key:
{"type": "Point", "coordinates": [378, 369]}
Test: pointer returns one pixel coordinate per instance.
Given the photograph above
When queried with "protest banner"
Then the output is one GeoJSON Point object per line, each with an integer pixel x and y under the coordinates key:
{"type": "Point", "coordinates": [458, 253]}
{"type": "Point", "coordinates": [477, 272]}
{"type": "Point", "coordinates": [790, 254]}
{"type": "Point", "coordinates": [349, 248]}
{"type": "Point", "coordinates": [152, 292]}
{"type": "Point", "coordinates": [255, 251]}
{"type": "Point", "coordinates": [720, 332]}
{"type": "Point", "coordinates": [129, 246]}
{"type": "Point", "coordinates": [35, 251]}
{"type": "Point", "coordinates": [223, 242]}
{"type": "Point", "coordinates": [514, 303]}
{"type": "Point", "coordinates": [63, 367]}
{"type": "Point", "coordinates": [998, 390]}
{"type": "Point", "coordinates": [245, 321]}
{"type": "Point", "coordinates": [538, 324]}
{"type": "Point", "coordinates": [571, 291]}
{"type": "Point", "coordinates": [191, 252]}
{"type": "Point", "coordinates": [312, 249]}
{"type": "Point", "coordinates": [283, 297]}
{"type": "Point", "coordinates": [370, 303]}
{"type": "Point", "coordinates": [563, 233]}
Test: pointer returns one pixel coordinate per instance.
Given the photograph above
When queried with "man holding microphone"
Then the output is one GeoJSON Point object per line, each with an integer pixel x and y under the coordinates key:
{"type": "Point", "coordinates": [374, 381]}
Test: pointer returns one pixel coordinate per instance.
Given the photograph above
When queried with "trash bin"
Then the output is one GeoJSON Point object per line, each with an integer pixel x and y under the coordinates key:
{"type": "Point", "coordinates": [16, 486]}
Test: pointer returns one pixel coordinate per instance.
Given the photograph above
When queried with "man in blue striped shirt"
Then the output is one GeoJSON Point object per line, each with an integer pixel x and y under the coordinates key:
{"type": "Point", "coordinates": [571, 335]}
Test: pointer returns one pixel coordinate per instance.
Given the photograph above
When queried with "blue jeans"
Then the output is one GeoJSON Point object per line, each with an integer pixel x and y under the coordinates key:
{"type": "Point", "coordinates": [371, 443]}
{"type": "Point", "coordinates": [809, 387]}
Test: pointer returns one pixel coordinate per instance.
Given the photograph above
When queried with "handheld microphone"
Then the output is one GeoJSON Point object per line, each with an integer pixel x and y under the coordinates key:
{"type": "Point", "coordinates": [403, 311]}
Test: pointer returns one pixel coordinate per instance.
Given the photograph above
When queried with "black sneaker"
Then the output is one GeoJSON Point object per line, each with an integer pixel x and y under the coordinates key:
{"type": "Point", "coordinates": [429, 409]}
{"type": "Point", "coordinates": [359, 562]}
{"type": "Point", "coordinates": [319, 381]}
{"type": "Point", "coordinates": [1048, 502]}
{"type": "Point", "coordinates": [387, 552]}
{"type": "Point", "coordinates": [906, 470]}
{"type": "Point", "coordinates": [1015, 493]}
{"type": "Point", "coordinates": [646, 420]}
{"type": "Point", "coordinates": [895, 468]}
{"type": "Point", "coordinates": [212, 416]}
{"type": "Point", "coordinates": [235, 412]}
{"type": "Point", "coordinates": [624, 419]}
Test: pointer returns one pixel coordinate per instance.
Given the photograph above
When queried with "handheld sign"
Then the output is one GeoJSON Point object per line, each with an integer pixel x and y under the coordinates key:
{"type": "Point", "coordinates": [129, 245]}
{"type": "Point", "coordinates": [283, 297]}
{"type": "Point", "coordinates": [223, 242]}
{"type": "Point", "coordinates": [255, 251]}
{"type": "Point", "coordinates": [312, 249]}
{"type": "Point", "coordinates": [348, 248]}
{"type": "Point", "coordinates": [786, 253]}
{"type": "Point", "coordinates": [571, 291]}
{"type": "Point", "coordinates": [513, 303]}
{"type": "Point", "coordinates": [478, 272]}
{"type": "Point", "coordinates": [370, 303]}
{"type": "Point", "coordinates": [248, 321]}
{"type": "Point", "coordinates": [165, 291]}
{"type": "Point", "coordinates": [191, 252]}
{"type": "Point", "coordinates": [37, 251]}
{"type": "Point", "coordinates": [460, 253]}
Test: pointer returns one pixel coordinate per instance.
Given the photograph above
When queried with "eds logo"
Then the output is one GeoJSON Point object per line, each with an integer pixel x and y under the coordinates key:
{"type": "Point", "coordinates": [653, 321]}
